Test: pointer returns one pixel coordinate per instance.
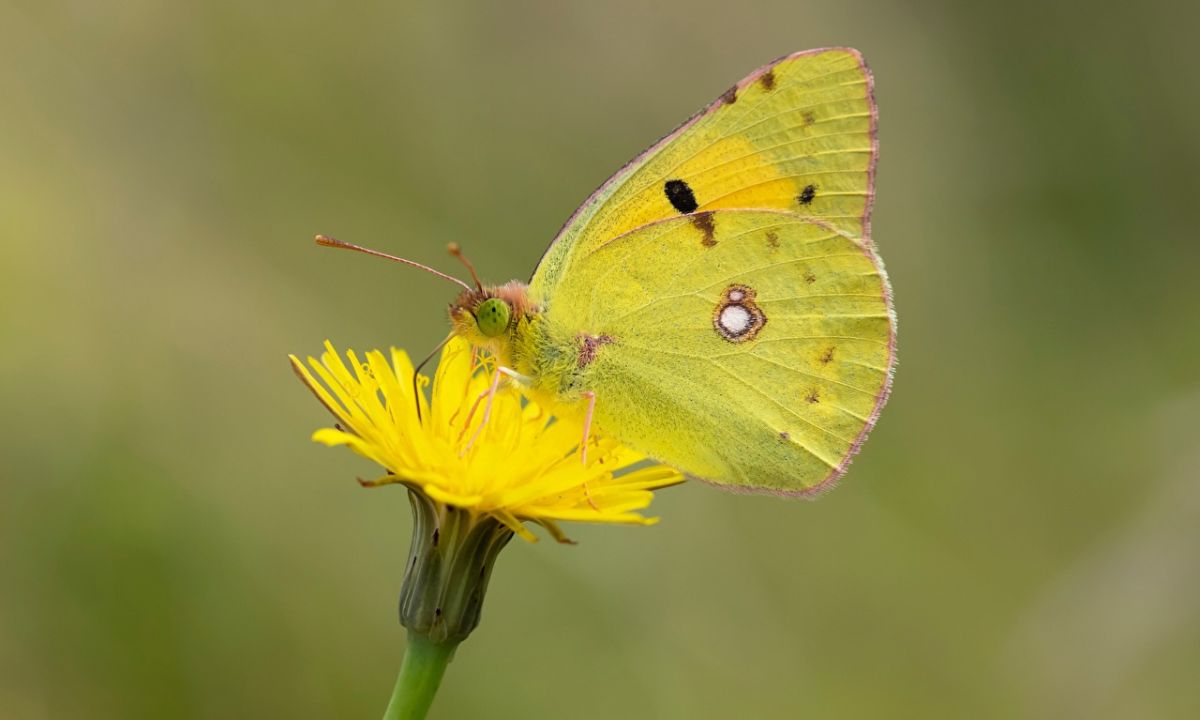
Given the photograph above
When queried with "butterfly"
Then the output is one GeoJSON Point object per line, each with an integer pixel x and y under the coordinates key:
{"type": "Point", "coordinates": [718, 303]}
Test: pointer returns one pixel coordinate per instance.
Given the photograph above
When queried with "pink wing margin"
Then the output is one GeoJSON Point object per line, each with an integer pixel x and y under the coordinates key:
{"type": "Point", "coordinates": [830, 480]}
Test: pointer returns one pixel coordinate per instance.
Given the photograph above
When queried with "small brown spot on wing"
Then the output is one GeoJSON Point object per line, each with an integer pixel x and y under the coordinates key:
{"type": "Point", "coordinates": [729, 97]}
{"type": "Point", "coordinates": [785, 436]}
{"type": "Point", "coordinates": [767, 80]}
{"type": "Point", "coordinates": [810, 117]}
{"type": "Point", "coordinates": [704, 223]}
{"type": "Point", "coordinates": [813, 397]}
{"type": "Point", "coordinates": [827, 356]}
{"type": "Point", "coordinates": [772, 239]}
{"type": "Point", "coordinates": [809, 277]}
{"type": "Point", "coordinates": [588, 345]}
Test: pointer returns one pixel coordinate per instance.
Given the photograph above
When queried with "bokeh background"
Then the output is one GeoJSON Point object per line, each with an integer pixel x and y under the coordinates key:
{"type": "Point", "coordinates": [1018, 538]}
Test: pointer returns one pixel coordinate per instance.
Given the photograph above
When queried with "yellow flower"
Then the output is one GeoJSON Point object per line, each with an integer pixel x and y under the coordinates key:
{"type": "Point", "coordinates": [523, 466]}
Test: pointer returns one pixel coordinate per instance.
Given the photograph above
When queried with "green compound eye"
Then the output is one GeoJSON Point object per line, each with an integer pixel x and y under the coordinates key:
{"type": "Point", "coordinates": [492, 316]}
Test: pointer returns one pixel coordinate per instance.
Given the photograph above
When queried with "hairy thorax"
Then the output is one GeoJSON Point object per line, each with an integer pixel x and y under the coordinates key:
{"type": "Point", "coordinates": [552, 362]}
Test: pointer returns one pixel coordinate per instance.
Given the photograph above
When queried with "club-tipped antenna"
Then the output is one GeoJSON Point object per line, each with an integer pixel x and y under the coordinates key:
{"type": "Point", "coordinates": [457, 252]}
{"type": "Point", "coordinates": [335, 243]}
{"type": "Point", "coordinates": [417, 370]}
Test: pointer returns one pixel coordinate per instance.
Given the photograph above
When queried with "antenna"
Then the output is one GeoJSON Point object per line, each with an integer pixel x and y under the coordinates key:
{"type": "Point", "coordinates": [457, 252]}
{"type": "Point", "coordinates": [327, 241]}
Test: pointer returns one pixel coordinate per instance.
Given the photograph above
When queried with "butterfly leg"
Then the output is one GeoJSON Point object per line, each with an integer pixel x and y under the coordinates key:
{"type": "Point", "coordinates": [587, 431]}
{"type": "Point", "coordinates": [471, 414]}
{"type": "Point", "coordinates": [587, 425]}
{"type": "Point", "coordinates": [475, 405]}
{"type": "Point", "coordinates": [490, 394]}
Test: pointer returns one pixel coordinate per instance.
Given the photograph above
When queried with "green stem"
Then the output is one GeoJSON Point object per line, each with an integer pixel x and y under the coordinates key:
{"type": "Point", "coordinates": [445, 579]}
{"type": "Point", "coordinates": [420, 675]}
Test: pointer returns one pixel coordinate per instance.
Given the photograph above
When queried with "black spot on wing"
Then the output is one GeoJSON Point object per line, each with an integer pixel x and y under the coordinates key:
{"type": "Point", "coordinates": [680, 196]}
{"type": "Point", "coordinates": [807, 194]}
{"type": "Point", "coordinates": [767, 80]}
{"type": "Point", "coordinates": [729, 97]}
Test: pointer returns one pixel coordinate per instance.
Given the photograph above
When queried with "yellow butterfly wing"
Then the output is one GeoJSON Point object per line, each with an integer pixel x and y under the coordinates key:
{"type": "Point", "coordinates": [720, 294]}
{"type": "Point", "coordinates": [752, 349]}
{"type": "Point", "coordinates": [797, 134]}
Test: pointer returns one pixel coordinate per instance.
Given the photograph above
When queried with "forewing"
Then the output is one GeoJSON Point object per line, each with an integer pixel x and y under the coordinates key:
{"type": "Point", "coordinates": [749, 348]}
{"type": "Point", "coordinates": [798, 134]}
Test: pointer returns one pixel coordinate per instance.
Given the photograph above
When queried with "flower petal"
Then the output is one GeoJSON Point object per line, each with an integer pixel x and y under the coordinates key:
{"type": "Point", "coordinates": [472, 445]}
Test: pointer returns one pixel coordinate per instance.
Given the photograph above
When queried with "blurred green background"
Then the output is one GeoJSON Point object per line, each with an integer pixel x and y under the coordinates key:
{"type": "Point", "coordinates": [1018, 538]}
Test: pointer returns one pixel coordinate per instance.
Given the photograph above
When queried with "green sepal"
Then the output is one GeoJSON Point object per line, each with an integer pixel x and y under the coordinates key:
{"type": "Point", "coordinates": [449, 565]}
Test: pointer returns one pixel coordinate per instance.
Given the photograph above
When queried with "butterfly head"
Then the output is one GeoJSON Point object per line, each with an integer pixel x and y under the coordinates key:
{"type": "Point", "coordinates": [490, 316]}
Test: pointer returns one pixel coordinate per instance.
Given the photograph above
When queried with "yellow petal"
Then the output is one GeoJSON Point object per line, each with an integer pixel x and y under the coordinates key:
{"type": "Point", "coordinates": [522, 464]}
